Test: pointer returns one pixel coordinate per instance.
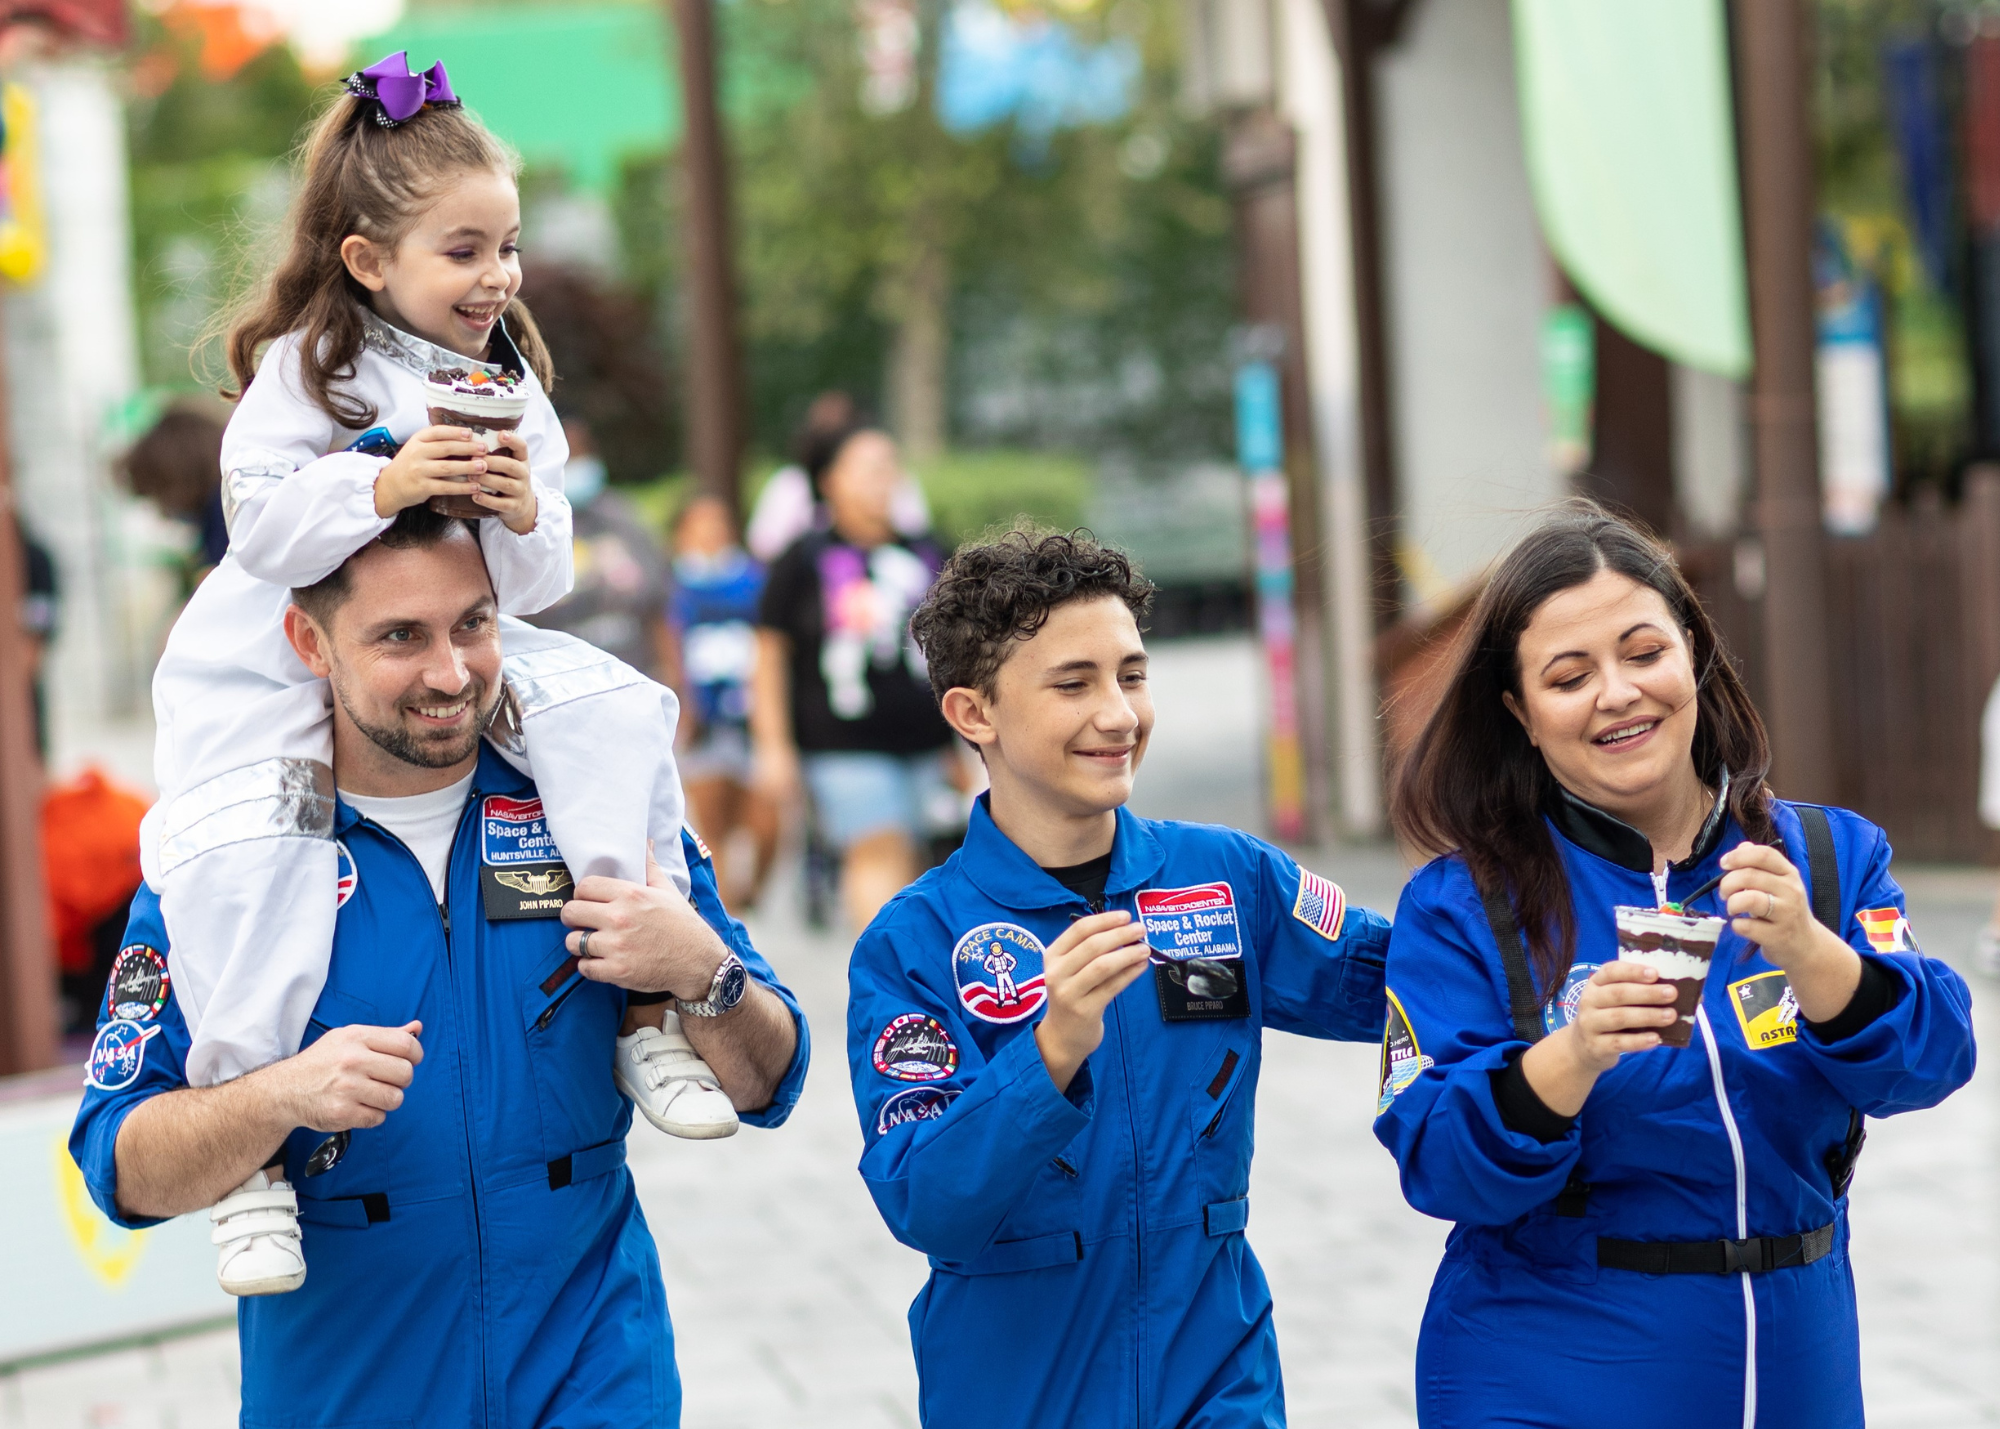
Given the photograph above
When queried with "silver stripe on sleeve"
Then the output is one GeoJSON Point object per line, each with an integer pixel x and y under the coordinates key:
{"type": "Point", "coordinates": [272, 799]}
{"type": "Point", "coordinates": [542, 679]}
{"type": "Point", "coordinates": [242, 481]}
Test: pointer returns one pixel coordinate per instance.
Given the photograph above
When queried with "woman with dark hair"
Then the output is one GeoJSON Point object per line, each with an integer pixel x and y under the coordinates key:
{"type": "Point", "coordinates": [1647, 1172]}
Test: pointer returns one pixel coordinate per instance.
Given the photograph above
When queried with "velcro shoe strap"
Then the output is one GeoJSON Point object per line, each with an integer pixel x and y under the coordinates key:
{"type": "Point", "coordinates": [229, 1207]}
{"type": "Point", "coordinates": [253, 1224]}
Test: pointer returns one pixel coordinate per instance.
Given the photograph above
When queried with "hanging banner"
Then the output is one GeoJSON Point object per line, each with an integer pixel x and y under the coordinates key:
{"type": "Point", "coordinates": [1260, 452]}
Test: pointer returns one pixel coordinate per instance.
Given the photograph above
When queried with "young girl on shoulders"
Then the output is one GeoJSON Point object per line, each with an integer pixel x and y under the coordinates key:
{"type": "Point", "coordinates": [401, 274]}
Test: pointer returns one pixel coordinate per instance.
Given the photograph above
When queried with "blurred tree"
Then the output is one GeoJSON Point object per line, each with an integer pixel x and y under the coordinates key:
{"type": "Point", "coordinates": [609, 369]}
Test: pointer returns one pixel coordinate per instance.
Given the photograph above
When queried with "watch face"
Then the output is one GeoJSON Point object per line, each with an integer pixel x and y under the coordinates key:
{"type": "Point", "coordinates": [734, 983]}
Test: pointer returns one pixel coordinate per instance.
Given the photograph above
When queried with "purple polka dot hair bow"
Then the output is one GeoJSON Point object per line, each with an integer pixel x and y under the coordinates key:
{"type": "Point", "coordinates": [397, 93]}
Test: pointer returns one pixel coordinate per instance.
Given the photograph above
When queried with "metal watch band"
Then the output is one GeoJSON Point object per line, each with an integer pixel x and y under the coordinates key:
{"type": "Point", "coordinates": [725, 990]}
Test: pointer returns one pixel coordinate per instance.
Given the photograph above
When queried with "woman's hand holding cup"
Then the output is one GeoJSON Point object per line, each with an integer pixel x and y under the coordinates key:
{"type": "Point", "coordinates": [1621, 1009]}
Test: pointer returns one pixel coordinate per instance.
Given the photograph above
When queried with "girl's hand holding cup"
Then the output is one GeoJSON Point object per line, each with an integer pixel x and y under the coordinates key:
{"type": "Point", "coordinates": [507, 489]}
{"type": "Point", "coordinates": [437, 461]}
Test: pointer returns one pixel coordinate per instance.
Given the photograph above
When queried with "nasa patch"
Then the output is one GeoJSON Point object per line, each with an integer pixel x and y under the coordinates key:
{"type": "Point", "coordinates": [521, 872]}
{"type": "Point", "coordinates": [138, 984]}
{"type": "Point", "coordinates": [915, 1048]}
{"type": "Point", "coordinates": [916, 1104]}
{"type": "Point", "coordinates": [346, 877]}
{"type": "Point", "coordinates": [118, 1054]}
{"type": "Point", "coordinates": [1766, 1009]}
{"type": "Point", "coordinates": [998, 967]}
{"type": "Point", "coordinates": [1197, 951]}
{"type": "Point", "coordinates": [1402, 1059]}
{"type": "Point", "coordinates": [1560, 1013]}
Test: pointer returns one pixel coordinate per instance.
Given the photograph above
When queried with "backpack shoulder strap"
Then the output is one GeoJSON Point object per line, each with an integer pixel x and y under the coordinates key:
{"type": "Point", "coordinates": [1521, 1000]}
{"type": "Point", "coordinates": [1822, 863]}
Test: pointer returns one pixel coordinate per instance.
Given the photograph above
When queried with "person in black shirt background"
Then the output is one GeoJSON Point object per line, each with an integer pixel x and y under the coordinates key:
{"type": "Point", "coordinates": [840, 702]}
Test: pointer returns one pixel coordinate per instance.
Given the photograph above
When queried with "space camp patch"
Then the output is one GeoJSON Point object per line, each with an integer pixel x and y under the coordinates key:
{"type": "Point", "coordinates": [138, 986]}
{"type": "Point", "coordinates": [1887, 930]}
{"type": "Point", "coordinates": [1402, 1059]}
{"type": "Point", "coordinates": [1766, 1009]}
{"type": "Point", "coordinates": [521, 872]}
{"type": "Point", "coordinates": [912, 1105]}
{"type": "Point", "coordinates": [998, 969]}
{"type": "Point", "coordinates": [1321, 906]}
{"type": "Point", "coordinates": [118, 1054]}
{"type": "Point", "coordinates": [1562, 1011]}
{"type": "Point", "coordinates": [1197, 952]}
{"type": "Point", "coordinates": [346, 877]}
{"type": "Point", "coordinates": [915, 1048]}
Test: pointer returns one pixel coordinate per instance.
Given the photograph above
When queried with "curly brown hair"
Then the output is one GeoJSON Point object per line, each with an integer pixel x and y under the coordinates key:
{"type": "Point", "coordinates": [354, 176]}
{"type": "Point", "coordinates": [991, 595]}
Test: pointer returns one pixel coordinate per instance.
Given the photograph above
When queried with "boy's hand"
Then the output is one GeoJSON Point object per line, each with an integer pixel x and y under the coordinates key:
{"type": "Point", "coordinates": [1092, 962]}
{"type": "Point", "coordinates": [507, 489]}
{"type": "Point", "coordinates": [438, 461]}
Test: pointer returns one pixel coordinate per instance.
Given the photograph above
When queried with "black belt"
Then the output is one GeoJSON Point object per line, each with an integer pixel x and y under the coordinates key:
{"type": "Point", "coordinates": [1715, 1257]}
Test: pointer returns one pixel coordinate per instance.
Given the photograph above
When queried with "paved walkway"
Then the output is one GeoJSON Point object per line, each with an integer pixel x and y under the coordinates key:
{"type": "Point", "coordinates": [788, 1295]}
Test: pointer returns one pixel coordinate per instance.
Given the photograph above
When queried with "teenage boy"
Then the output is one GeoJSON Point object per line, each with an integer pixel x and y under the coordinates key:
{"type": "Point", "coordinates": [1054, 1038]}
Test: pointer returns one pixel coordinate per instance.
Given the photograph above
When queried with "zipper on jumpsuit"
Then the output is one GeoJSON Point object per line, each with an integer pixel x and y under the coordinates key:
{"type": "Point", "coordinates": [1138, 1213]}
{"type": "Point", "coordinates": [464, 1093]}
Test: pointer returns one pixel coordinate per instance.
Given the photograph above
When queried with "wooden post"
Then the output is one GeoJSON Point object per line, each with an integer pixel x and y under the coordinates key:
{"type": "Point", "coordinates": [27, 958]}
{"type": "Point", "coordinates": [715, 415]}
{"type": "Point", "coordinates": [1773, 94]}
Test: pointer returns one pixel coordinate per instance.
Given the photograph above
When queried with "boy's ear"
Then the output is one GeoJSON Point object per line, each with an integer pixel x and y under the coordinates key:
{"type": "Point", "coordinates": [309, 642]}
{"type": "Point", "coordinates": [363, 258]}
{"type": "Point", "coordinates": [970, 714]}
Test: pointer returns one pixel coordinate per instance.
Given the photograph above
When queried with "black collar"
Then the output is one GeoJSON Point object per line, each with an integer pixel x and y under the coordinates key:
{"type": "Point", "coordinates": [1615, 841]}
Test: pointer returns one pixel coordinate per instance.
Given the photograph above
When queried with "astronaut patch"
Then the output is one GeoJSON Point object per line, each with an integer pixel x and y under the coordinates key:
{"type": "Point", "coordinates": [1766, 1009]}
{"type": "Point", "coordinates": [521, 872]}
{"type": "Point", "coordinates": [1887, 929]}
{"type": "Point", "coordinates": [916, 1104]}
{"type": "Point", "coordinates": [1197, 951]}
{"type": "Point", "coordinates": [1560, 1013]}
{"type": "Point", "coordinates": [998, 967]}
{"type": "Point", "coordinates": [1402, 1059]}
{"type": "Point", "coordinates": [118, 1054]}
{"type": "Point", "coordinates": [915, 1048]}
{"type": "Point", "coordinates": [138, 984]}
{"type": "Point", "coordinates": [346, 877]}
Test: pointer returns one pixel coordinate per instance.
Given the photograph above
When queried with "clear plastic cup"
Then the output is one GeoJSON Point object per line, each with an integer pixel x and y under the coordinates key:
{"type": "Point", "coordinates": [1679, 947]}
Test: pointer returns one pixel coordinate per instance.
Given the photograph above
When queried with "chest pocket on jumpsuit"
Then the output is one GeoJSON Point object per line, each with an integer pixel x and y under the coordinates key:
{"type": "Point", "coordinates": [1218, 1103]}
{"type": "Point", "coordinates": [570, 1023]}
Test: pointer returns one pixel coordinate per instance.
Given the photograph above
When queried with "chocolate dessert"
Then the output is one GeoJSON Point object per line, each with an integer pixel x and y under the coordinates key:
{"type": "Point", "coordinates": [1679, 947]}
{"type": "Point", "coordinates": [484, 402]}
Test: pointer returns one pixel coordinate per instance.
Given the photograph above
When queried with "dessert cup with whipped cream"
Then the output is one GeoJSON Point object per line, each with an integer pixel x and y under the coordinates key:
{"type": "Point", "coordinates": [482, 401]}
{"type": "Point", "coordinates": [1679, 947]}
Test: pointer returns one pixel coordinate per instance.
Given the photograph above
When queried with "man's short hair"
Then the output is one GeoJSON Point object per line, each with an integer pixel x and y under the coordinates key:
{"type": "Point", "coordinates": [998, 592]}
{"type": "Point", "coordinates": [416, 528]}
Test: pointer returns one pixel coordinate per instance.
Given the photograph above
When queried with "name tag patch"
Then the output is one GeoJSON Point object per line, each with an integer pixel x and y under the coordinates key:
{"type": "Point", "coordinates": [138, 983]}
{"type": "Point", "coordinates": [915, 1048]}
{"type": "Point", "coordinates": [998, 967]}
{"type": "Point", "coordinates": [1767, 1009]}
{"type": "Point", "coordinates": [521, 872]}
{"type": "Point", "coordinates": [1197, 952]}
{"type": "Point", "coordinates": [916, 1104]}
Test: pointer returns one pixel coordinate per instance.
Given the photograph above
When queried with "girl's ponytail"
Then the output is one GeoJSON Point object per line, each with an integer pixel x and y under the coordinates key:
{"type": "Point", "coordinates": [357, 175]}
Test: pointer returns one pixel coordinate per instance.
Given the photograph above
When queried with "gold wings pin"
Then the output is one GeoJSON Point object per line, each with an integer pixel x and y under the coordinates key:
{"type": "Point", "coordinates": [539, 885]}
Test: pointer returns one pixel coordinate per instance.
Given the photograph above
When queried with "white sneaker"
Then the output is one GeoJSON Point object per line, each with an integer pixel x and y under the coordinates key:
{"type": "Point", "coordinates": [257, 1235]}
{"type": "Point", "coordinates": [1986, 951]}
{"type": "Point", "coordinates": [672, 1087]}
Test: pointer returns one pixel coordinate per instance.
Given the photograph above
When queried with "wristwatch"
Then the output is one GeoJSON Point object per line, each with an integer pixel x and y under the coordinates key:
{"type": "Point", "coordinates": [731, 981]}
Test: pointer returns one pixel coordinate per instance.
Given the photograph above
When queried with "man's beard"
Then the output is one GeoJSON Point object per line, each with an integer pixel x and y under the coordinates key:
{"type": "Point", "coordinates": [434, 750]}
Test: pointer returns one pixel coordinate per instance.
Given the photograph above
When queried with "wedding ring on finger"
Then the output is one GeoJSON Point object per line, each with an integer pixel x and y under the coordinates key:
{"type": "Point", "coordinates": [583, 943]}
{"type": "Point", "coordinates": [1770, 906]}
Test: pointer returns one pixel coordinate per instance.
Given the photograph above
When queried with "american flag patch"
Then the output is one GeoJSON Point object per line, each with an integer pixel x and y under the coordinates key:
{"type": "Point", "coordinates": [1321, 906]}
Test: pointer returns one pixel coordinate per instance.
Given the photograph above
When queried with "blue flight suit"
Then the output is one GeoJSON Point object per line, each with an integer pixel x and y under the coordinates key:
{"type": "Point", "coordinates": [1088, 1263]}
{"type": "Point", "coordinates": [1524, 1327]}
{"type": "Point", "coordinates": [480, 1258]}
